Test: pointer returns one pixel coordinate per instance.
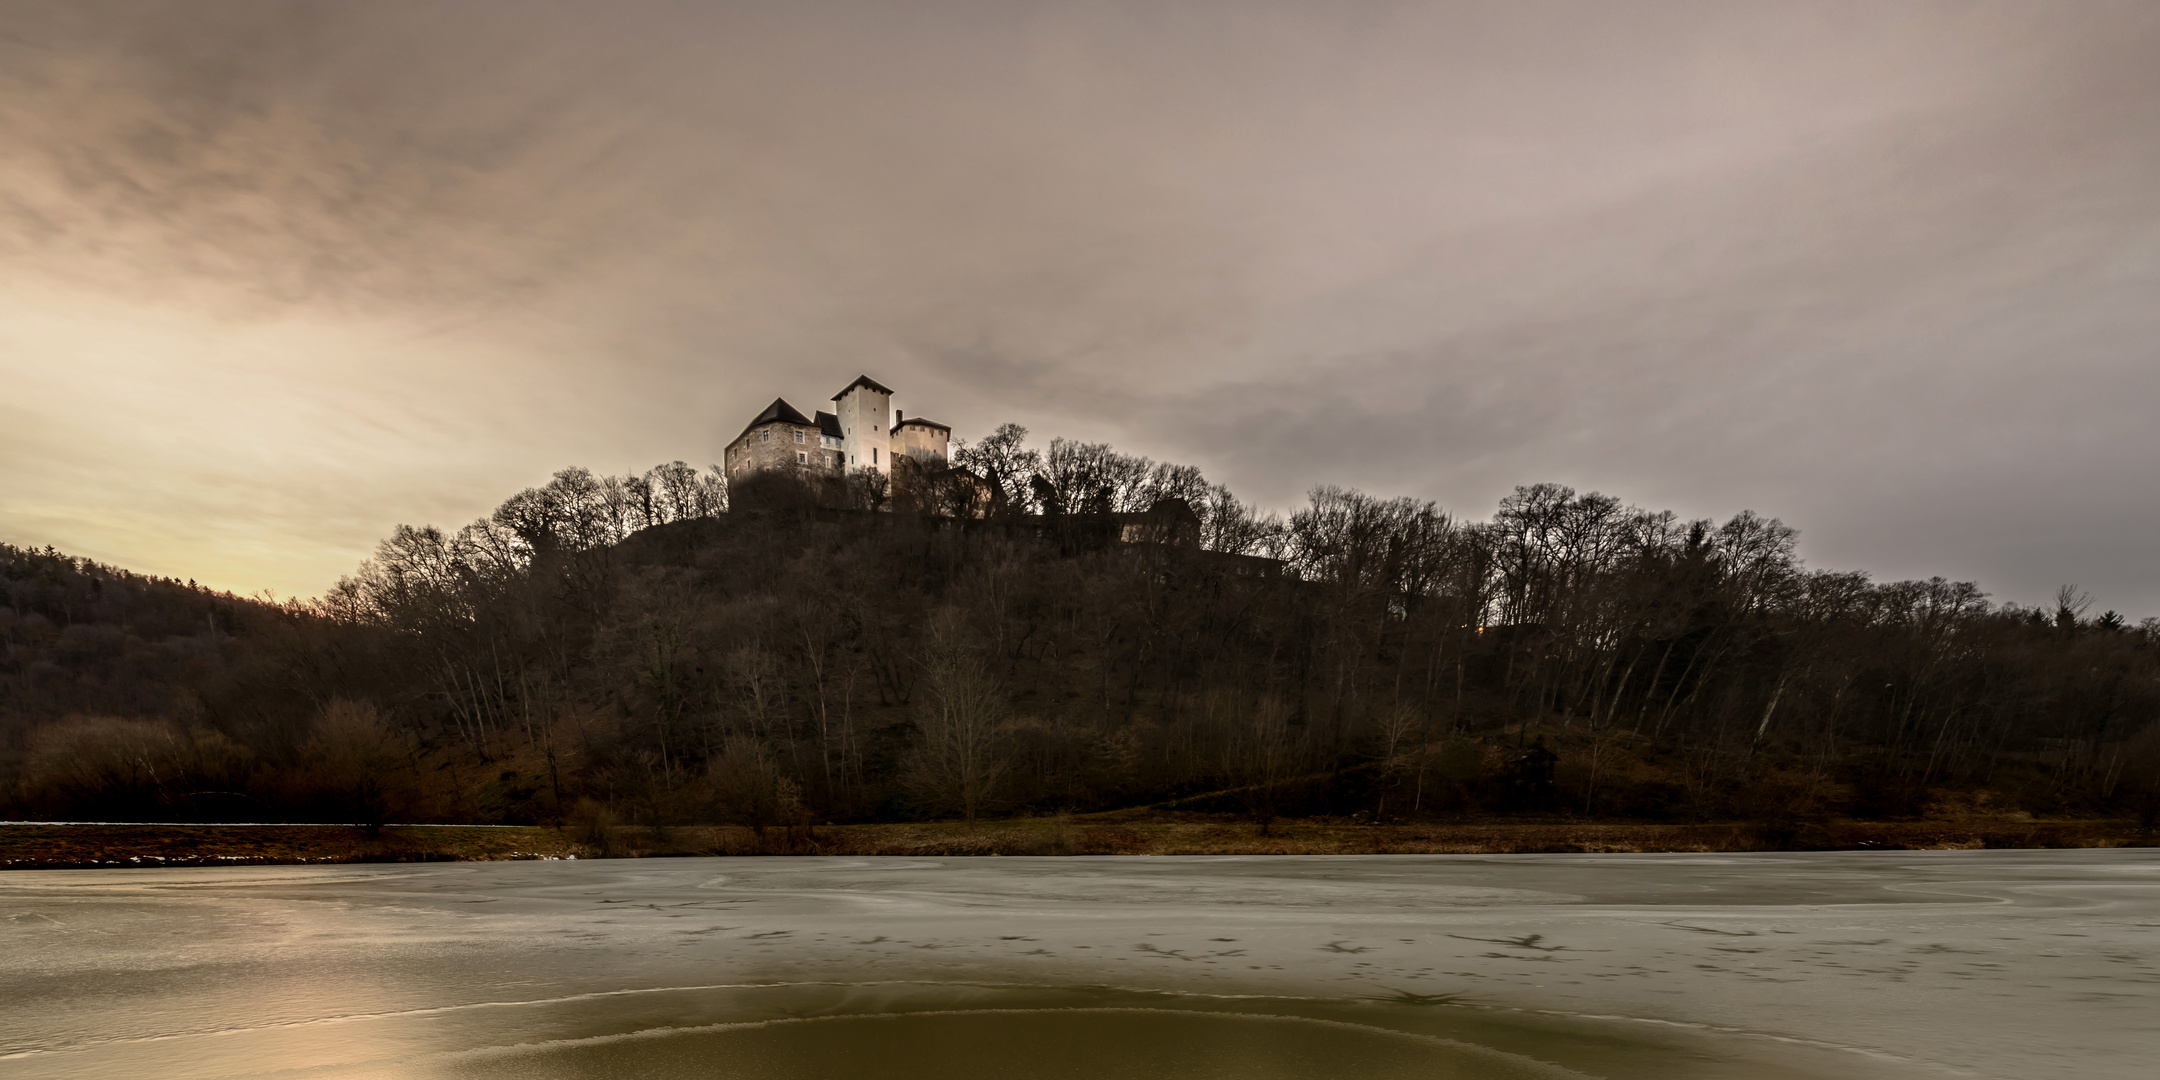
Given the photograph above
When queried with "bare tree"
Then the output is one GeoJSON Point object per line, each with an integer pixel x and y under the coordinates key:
{"type": "Point", "coordinates": [1259, 754]}
{"type": "Point", "coordinates": [1006, 464]}
{"type": "Point", "coordinates": [961, 718]}
{"type": "Point", "coordinates": [750, 786]}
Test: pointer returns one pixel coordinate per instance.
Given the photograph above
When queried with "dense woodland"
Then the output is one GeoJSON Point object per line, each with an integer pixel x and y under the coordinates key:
{"type": "Point", "coordinates": [638, 649]}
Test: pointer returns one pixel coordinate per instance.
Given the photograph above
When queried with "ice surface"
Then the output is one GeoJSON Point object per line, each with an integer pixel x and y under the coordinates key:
{"type": "Point", "coordinates": [1995, 964]}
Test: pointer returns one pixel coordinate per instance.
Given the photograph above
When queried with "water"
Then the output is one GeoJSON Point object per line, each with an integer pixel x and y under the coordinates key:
{"type": "Point", "coordinates": [1851, 965]}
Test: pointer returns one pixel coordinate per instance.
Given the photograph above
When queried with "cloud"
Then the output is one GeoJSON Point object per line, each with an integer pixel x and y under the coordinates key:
{"type": "Point", "coordinates": [1884, 272]}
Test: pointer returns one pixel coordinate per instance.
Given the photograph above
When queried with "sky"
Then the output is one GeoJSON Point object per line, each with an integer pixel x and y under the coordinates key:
{"type": "Point", "coordinates": [277, 277]}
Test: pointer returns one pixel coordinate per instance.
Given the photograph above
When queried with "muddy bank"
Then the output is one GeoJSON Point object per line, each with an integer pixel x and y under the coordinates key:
{"type": "Point", "coordinates": [26, 846]}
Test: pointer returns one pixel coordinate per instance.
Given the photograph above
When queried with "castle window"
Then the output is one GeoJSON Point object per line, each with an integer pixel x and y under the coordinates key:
{"type": "Point", "coordinates": [801, 458]}
{"type": "Point", "coordinates": [798, 436]}
{"type": "Point", "coordinates": [873, 455]}
{"type": "Point", "coordinates": [764, 436]}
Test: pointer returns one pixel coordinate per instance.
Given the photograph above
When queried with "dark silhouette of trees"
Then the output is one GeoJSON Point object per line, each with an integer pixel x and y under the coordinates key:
{"type": "Point", "coordinates": [1070, 629]}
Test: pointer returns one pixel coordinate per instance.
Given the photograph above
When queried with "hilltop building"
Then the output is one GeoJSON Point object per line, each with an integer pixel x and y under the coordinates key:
{"type": "Point", "coordinates": [863, 431]}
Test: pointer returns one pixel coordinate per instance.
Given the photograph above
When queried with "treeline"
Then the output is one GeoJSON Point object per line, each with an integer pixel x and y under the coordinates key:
{"type": "Point", "coordinates": [83, 637]}
{"type": "Point", "coordinates": [637, 648]}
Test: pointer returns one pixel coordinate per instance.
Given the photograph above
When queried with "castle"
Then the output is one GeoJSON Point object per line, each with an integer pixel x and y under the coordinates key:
{"type": "Point", "coordinates": [862, 432]}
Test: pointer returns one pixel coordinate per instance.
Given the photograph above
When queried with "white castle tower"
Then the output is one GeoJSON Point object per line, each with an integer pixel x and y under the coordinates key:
{"type": "Point", "coordinates": [865, 411]}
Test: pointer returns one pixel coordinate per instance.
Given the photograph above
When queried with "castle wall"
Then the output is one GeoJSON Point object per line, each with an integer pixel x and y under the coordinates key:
{"type": "Point", "coordinates": [923, 442]}
{"type": "Point", "coordinates": [778, 446]}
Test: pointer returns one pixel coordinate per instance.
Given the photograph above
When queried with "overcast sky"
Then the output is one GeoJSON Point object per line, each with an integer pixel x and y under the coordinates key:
{"type": "Point", "coordinates": [275, 278]}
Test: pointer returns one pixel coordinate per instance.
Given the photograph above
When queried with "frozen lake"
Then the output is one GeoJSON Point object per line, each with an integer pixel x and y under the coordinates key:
{"type": "Point", "coordinates": [2024, 964]}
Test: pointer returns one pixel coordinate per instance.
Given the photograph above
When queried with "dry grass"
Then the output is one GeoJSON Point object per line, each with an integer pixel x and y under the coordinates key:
{"type": "Point", "coordinates": [35, 846]}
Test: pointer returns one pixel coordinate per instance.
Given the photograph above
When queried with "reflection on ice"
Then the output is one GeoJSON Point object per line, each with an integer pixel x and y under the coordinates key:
{"type": "Point", "coordinates": [2004, 964]}
{"type": "Point", "coordinates": [1009, 1044]}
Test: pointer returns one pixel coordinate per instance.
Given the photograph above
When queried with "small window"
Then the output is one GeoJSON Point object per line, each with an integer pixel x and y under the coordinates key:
{"type": "Point", "coordinates": [798, 436]}
{"type": "Point", "coordinates": [764, 436]}
{"type": "Point", "coordinates": [873, 455]}
{"type": "Point", "coordinates": [801, 458]}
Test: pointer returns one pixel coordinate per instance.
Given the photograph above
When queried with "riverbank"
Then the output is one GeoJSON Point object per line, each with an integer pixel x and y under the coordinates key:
{"type": "Point", "coordinates": [34, 845]}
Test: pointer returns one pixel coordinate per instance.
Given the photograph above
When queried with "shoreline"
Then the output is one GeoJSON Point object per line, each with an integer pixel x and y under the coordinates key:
{"type": "Point", "coordinates": [64, 846]}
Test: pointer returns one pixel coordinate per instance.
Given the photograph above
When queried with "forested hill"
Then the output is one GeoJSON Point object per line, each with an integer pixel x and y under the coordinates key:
{"type": "Point", "coordinates": [632, 648]}
{"type": "Point", "coordinates": [86, 638]}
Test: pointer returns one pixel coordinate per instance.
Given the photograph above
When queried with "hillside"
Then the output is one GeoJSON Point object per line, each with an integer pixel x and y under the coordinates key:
{"type": "Point", "coordinates": [634, 650]}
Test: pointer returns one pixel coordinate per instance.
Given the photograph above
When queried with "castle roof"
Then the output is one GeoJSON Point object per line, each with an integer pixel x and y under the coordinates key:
{"type": "Point", "coordinates": [917, 420]}
{"type": "Point", "coordinates": [862, 380]}
{"type": "Point", "coordinates": [779, 412]}
{"type": "Point", "coordinates": [829, 424]}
